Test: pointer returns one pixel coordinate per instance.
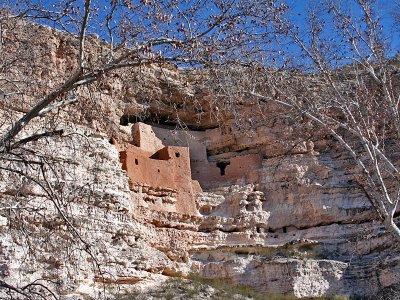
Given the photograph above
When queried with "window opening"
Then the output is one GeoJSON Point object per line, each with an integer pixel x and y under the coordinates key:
{"type": "Point", "coordinates": [222, 166]}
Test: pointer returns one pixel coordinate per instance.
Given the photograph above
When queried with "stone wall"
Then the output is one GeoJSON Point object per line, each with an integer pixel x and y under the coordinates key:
{"type": "Point", "coordinates": [165, 174]}
{"type": "Point", "coordinates": [223, 172]}
{"type": "Point", "coordinates": [236, 170]}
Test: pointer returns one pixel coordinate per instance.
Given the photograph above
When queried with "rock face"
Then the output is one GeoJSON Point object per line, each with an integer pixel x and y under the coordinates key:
{"type": "Point", "coordinates": [96, 190]}
{"type": "Point", "coordinates": [265, 204]}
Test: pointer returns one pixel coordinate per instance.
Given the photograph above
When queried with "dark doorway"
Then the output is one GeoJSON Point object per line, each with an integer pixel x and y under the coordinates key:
{"type": "Point", "coordinates": [222, 166]}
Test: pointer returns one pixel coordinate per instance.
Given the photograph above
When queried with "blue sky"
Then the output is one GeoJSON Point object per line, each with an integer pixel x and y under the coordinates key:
{"type": "Point", "coordinates": [298, 11]}
{"type": "Point", "coordinates": [385, 9]}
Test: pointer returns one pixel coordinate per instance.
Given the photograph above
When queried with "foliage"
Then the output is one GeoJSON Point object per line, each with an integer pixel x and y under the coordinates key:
{"type": "Point", "coordinates": [196, 287]}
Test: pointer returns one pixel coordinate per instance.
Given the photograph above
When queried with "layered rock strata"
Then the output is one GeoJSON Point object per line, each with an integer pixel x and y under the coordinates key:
{"type": "Point", "coordinates": [277, 206]}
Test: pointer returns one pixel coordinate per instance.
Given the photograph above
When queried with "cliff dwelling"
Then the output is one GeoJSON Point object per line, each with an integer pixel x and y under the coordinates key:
{"type": "Point", "coordinates": [172, 167]}
{"type": "Point", "coordinates": [265, 187]}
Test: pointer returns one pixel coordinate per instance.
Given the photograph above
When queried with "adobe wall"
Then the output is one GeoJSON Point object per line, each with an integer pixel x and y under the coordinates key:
{"type": "Point", "coordinates": [196, 141]}
{"type": "Point", "coordinates": [166, 176]}
{"type": "Point", "coordinates": [144, 137]}
{"type": "Point", "coordinates": [208, 174]}
{"type": "Point", "coordinates": [162, 162]}
{"type": "Point", "coordinates": [239, 169]}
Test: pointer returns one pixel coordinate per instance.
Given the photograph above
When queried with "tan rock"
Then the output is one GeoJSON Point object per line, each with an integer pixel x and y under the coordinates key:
{"type": "Point", "coordinates": [280, 209]}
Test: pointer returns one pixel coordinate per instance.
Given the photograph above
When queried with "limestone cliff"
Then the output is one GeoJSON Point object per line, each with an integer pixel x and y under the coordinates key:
{"type": "Point", "coordinates": [247, 197]}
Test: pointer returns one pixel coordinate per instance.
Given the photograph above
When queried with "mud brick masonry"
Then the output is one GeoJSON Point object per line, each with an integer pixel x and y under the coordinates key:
{"type": "Point", "coordinates": [162, 162]}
